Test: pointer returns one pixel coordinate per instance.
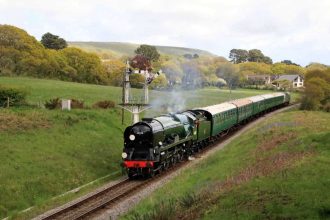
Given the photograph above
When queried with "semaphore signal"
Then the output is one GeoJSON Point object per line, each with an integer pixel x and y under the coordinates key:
{"type": "Point", "coordinates": [136, 104]}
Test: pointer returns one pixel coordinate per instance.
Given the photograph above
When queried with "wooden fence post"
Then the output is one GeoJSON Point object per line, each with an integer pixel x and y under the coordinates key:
{"type": "Point", "coordinates": [7, 102]}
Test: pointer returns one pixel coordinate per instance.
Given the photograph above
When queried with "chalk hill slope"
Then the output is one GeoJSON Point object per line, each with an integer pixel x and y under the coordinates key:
{"type": "Point", "coordinates": [121, 48]}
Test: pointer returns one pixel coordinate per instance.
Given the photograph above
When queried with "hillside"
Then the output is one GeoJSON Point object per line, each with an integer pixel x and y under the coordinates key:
{"type": "Point", "coordinates": [45, 153]}
{"type": "Point", "coordinates": [127, 49]}
{"type": "Point", "coordinates": [277, 170]}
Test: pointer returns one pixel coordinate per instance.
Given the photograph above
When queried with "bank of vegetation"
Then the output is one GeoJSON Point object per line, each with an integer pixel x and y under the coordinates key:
{"type": "Point", "coordinates": [316, 95]}
{"type": "Point", "coordinates": [277, 170]}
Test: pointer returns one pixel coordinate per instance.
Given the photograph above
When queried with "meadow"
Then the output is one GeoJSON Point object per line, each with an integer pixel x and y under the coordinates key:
{"type": "Point", "coordinates": [277, 170]}
{"type": "Point", "coordinates": [45, 153]}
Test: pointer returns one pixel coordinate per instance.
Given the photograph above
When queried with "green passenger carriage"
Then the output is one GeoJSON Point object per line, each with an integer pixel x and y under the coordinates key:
{"type": "Point", "coordinates": [221, 116]}
{"type": "Point", "coordinates": [244, 108]}
{"type": "Point", "coordinates": [258, 104]}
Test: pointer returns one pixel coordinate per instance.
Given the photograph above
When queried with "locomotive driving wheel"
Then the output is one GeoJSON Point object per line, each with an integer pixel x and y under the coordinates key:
{"type": "Point", "coordinates": [131, 175]}
{"type": "Point", "coordinates": [151, 172]}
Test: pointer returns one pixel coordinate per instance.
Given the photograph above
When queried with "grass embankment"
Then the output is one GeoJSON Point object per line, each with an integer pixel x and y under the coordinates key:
{"type": "Point", "coordinates": [45, 153]}
{"type": "Point", "coordinates": [278, 170]}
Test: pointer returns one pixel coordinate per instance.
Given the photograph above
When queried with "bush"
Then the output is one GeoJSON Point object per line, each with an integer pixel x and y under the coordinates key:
{"type": "Point", "coordinates": [53, 103]}
{"type": "Point", "coordinates": [104, 104]}
{"type": "Point", "coordinates": [326, 107]}
{"type": "Point", "coordinates": [77, 103]}
{"type": "Point", "coordinates": [16, 96]}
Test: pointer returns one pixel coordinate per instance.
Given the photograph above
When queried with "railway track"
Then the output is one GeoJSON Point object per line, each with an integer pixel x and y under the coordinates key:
{"type": "Point", "coordinates": [105, 198]}
{"type": "Point", "coordinates": [95, 202]}
{"type": "Point", "coordinates": [111, 195]}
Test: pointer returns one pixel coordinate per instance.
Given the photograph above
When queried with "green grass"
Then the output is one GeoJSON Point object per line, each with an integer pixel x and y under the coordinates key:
{"type": "Point", "coordinates": [41, 90]}
{"type": "Point", "coordinates": [45, 153]}
{"type": "Point", "coordinates": [277, 170]}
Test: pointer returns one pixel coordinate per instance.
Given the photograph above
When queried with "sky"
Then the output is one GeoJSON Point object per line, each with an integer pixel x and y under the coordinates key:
{"type": "Point", "coordinates": [298, 30]}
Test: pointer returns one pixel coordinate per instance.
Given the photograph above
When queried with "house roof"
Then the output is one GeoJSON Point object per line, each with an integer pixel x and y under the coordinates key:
{"type": "Point", "coordinates": [257, 76]}
{"type": "Point", "coordinates": [288, 77]}
{"type": "Point", "coordinates": [264, 77]}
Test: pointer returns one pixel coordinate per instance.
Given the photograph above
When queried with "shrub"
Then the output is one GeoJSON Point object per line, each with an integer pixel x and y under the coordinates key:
{"type": "Point", "coordinates": [326, 107]}
{"type": "Point", "coordinates": [53, 103]}
{"type": "Point", "coordinates": [104, 104]}
{"type": "Point", "coordinates": [163, 210]}
{"type": "Point", "coordinates": [189, 200]}
{"type": "Point", "coordinates": [75, 103]}
{"type": "Point", "coordinates": [16, 96]}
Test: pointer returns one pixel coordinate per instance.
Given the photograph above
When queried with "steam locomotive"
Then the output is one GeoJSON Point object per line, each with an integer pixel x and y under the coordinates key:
{"type": "Point", "coordinates": [155, 144]}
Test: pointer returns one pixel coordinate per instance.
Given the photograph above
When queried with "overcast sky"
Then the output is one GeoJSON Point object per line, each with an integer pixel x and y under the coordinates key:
{"type": "Point", "coordinates": [298, 30]}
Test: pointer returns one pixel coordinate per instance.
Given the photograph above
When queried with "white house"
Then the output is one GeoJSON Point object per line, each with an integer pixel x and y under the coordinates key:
{"type": "Point", "coordinates": [296, 80]}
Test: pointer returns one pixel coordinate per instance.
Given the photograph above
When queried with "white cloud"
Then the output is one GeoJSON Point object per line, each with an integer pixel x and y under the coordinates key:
{"type": "Point", "coordinates": [296, 30]}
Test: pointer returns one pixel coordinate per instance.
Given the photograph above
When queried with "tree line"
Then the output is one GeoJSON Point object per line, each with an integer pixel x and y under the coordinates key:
{"type": "Point", "coordinates": [254, 55]}
{"type": "Point", "coordinates": [23, 55]}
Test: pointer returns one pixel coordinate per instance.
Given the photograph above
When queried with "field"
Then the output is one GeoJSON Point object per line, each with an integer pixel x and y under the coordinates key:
{"type": "Point", "coordinates": [277, 170]}
{"type": "Point", "coordinates": [45, 153]}
{"type": "Point", "coordinates": [127, 49]}
{"type": "Point", "coordinates": [41, 90]}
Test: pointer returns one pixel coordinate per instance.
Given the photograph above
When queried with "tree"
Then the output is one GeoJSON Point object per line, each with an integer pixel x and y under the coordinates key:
{"type": "Point", "coordinates": [289, 62]}
{"type": "Point", "coordinates": [238, 56]}
{"type": "Point", "coordinates": [256, 55]}
{"type": "Point", "coordinates": [51, 41]}
{"type": "Point", "coordinates": [284, 84]}
{"type": "Point", "coordinates": [282, 68]}
{"type": "Point", "coordinates": [137, 80]}
{"type": "Point", "coordinates": [150, 52]}
{"type": "Point", "coordinates": [188, 56]}
{"type": "Point", "coordinates": [173, 72]}
{"type": "Point", "coordinates": [253, 68]}
{"type": "Point", "coordinates": [159, 82]}
{"type": "Point", "coordinates": [196, 56]}
{"type": "Point", "coordinates": [314, 66]}
{"type": "Point", "coordinates": [192, 77]}
{"type": "Point", "coordinates": [141, 62]}
{"type": "Point", "coordinates": [230, 73]}
{"type": "Point", "coordinates": [88, 65]}
{"type": "Point", "coordinates": [318, 73]}
{"type": "Point", "coordinates": [114, 70]}
{"type": "Point", "coordinates": [317, 91]}
{"type": "Point", "coordinates": [267, 60]}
